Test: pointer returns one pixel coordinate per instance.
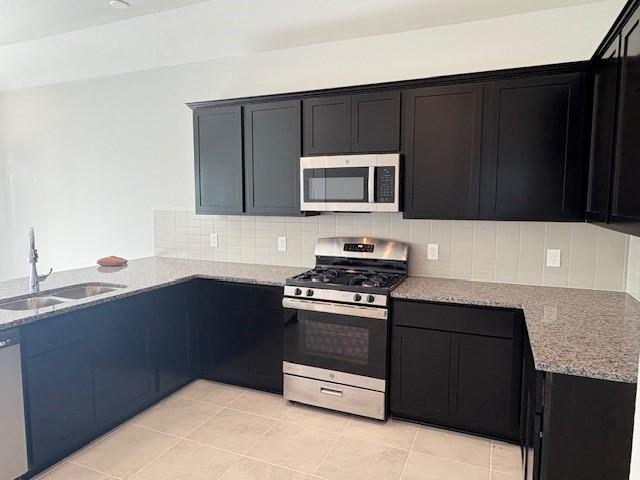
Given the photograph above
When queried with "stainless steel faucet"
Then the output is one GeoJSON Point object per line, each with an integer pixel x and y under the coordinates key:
{"type": "Point", "coordinates": [34, 278]}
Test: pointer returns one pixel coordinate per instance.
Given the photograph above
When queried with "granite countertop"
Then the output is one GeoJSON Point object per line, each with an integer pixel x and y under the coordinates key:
{"type": "Point", "coordinates": [587, 333]}
{"type": "Point", "coordinates": [139, 276]}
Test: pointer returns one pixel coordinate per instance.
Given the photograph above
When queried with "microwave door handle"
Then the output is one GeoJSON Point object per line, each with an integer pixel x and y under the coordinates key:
{"type": "Point", "coordinates": [372, 184]}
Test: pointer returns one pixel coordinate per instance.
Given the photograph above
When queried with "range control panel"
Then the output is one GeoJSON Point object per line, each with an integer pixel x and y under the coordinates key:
{"type": "Point", "coordinates": [359, 247]}
{"type": "Point", "coordinates": [385, 184]}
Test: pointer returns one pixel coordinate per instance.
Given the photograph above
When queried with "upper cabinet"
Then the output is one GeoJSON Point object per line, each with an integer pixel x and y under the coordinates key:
{"type": "Point", "coordinates": [247, 158]}
{"type": "Point", "coordinates": [625, 207]}
{"type": "Point", "coordinates": [359, 123]}
{"type": "Point", "coordinates": [605, 95]}
{"type": "Point", "coordinates": [442, 129]}
{"type": "Point", "coordinates": [535, 142]}
{"type": "Point", "coordinates": [272, 158]}
{"type": "Point", "coordinates": [614, 172]}
{"type": "Point", "coordinates": [218, 159]}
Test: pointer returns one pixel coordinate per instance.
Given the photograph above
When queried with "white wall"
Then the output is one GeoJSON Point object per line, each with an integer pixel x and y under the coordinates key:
{"type": "Point", "coordinates": [89, 161]}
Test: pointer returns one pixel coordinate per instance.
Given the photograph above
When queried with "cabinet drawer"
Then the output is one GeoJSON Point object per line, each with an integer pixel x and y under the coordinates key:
{"type": "Point", "coordinates": [229, 293]}
{"type": "Point", "coordinates": [50, 333]}
{"type": "Point", "coordinates": [455, 318]}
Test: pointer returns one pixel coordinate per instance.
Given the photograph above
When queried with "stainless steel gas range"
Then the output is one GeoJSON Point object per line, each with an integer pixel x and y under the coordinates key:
{"type": "Point", "coordinates": [337, 325]}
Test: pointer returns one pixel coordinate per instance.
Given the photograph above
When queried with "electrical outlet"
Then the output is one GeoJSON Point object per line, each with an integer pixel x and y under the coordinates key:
{"type": "Point", "coordinates": [282, 244]}
{"type": "Point", "coordinates": [553, 257]}
{"type": "Point", "coordinates": [213, 240]}
{"type": "Point", "coordinates": [432, 251]}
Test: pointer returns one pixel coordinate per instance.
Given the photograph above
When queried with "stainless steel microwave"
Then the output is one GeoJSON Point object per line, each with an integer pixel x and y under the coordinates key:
{"type": "Point", "coordinates": [350, 183]}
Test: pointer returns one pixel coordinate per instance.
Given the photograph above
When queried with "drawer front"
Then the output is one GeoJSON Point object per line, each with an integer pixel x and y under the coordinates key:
{"type": "Point", "coordinates": [51, 333]}
{"type": "Point", "coordinates": [455, 318]}
{"type": "Point", "coordinates": [335, 396]}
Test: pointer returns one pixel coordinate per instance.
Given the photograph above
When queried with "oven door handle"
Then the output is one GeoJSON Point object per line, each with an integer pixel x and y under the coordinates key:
{"type": "Point", "coordinates": [337, 308]}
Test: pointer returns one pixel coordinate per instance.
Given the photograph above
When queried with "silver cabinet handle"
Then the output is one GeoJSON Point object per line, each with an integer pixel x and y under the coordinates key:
{"type": "Point", "coordinates": [329, 391]}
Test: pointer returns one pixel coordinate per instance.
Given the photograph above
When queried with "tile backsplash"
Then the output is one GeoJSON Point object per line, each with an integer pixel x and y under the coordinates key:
{"type": "Point", "coordinates": [511, 252]}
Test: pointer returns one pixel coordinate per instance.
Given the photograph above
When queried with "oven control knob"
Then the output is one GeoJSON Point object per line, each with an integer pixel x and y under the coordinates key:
{"type": "Point", "coordinates": [297, 291]}
{"type": "Point", "coordinates": [309, 293]}
{"type": "Point", "coordinates": [357, 297]}
{"type": "Point", "coordinates": [371, 298]}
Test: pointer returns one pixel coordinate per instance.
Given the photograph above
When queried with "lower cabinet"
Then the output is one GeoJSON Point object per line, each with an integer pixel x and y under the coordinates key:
{"type": "Point", "coordinates": [89, 370]}
{"type": "Point", "coordinates": [457, 367]}
{"type": "Point", "coordinates": [239, 335]}
{"type": "Point", "coordinates": [59, 401]}
{"type": "Point", "coordinates": [576, 427]}
{"type": "Point", "coordinates": [123, 374]}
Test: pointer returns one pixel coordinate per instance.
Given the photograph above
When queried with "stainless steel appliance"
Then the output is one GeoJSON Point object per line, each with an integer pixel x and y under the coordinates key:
{"type": "Point", "coordinates": [13, 441]}
{"type": "Point", "coordinates": [337, 325]}
{"type": "Point", "coordinates": [351, 183]}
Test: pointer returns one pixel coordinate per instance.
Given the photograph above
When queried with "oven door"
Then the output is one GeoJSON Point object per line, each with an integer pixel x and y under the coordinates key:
{"type": "Point", "coordinates": [336, 337]}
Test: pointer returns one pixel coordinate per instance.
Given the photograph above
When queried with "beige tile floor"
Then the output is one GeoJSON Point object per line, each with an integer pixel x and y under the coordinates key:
{"type": "Point", "coordinates": [210, 431]}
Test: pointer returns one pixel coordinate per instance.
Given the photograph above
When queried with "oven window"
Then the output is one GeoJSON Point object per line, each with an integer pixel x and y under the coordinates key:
{"type": "Point", "coordinates": [330, 340]}
{"type": "Point", "coordinates": [336, 184]}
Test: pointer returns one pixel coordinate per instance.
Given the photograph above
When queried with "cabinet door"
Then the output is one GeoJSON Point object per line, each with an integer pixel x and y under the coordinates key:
{"type": "Point", "coordinates": [442, 145]}
{"type": "Point", "coordinates": [420, 374]}
{"type": "Point", "coordinates": [123, 372]}
{"type": "Point", "coordinates": [227, 343]}
{"type": "Point", "coordinates": [272, 157]}
{"type": "Point", "coordinates": [60, 399]}
{"type": "Point", "coordinates": [534, 148]}
{"type": "Point", "coordinates": [488, 385]}
{"type": "Point", "coordinates": [218, 159]}
{"type": "Point", "coordinates": [626, 199]}
{"type": "Point", "coordinates": [264, 347]}
{"type": "Point", "coordinates": [605, 102]}
{"type": "Point", "coordinates": [375, 122]}
{"type": "Point", "coordinates": [172, 339]}
{"type": "Point", "coordinates": [326, 125]}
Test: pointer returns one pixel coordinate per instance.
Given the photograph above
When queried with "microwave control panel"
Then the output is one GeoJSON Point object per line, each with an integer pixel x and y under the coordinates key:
{"type": "Point", "coordinates": [385, 184]}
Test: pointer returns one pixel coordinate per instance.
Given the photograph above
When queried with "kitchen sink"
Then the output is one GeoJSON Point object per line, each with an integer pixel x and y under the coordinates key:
{"type": "Point", "coordinates": [55, 297]}
{"type": "Point", "coordinates": [77, 292]}
{"type": "Point", "coordinates": [32, 303]}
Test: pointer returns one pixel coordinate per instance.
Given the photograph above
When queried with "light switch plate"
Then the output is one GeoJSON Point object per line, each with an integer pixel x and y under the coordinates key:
{"type": "Point", "coordinates": [553, 257]}
{"type": "Point", "coordinates": [432, 251]}
{"type": "Point", "coordinates": [282, 244]}
{"type": "Point", "coordinates": [213, 240]}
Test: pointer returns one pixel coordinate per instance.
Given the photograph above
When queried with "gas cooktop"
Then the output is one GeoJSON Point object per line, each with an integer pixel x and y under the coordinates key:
{"type": "Point", "coordinates": [348, 279]}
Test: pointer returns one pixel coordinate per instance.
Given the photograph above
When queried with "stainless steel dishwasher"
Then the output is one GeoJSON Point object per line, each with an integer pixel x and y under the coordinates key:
{"type": "Point", "coordinates": [13, 441]}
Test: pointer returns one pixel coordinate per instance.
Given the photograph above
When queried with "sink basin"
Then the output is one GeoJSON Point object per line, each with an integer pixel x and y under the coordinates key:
{"type": "Point", "coordinates": [54, 297]}
{"type": "Point", "coordinates": [77, 292]}
{"type": "Point", "coordinates": [32, 303]}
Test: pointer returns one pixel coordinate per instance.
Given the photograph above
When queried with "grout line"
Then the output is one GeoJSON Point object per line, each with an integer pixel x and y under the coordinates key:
{"type": "Point", "coordinates": [94, 470]}
{"type": "Point", "coordinates": [326, 455]}
{"type": "Point", "coordinates": [413, 442]}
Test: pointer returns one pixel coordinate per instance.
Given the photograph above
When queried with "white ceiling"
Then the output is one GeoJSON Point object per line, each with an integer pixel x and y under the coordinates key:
{"type": "Point", "coordinates": [23, 20]}
{"type": "Point", "coordinates": [50, 41]}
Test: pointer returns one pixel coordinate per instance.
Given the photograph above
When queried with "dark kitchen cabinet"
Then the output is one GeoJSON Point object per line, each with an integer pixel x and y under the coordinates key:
{"type": "Point", "coordinates": [123, 373]}
{"type": "Point", "coordinates": [375, 122]}
{"type": "Point", "coordinates": [326, 125]}
{"type": "Point", "coordinates": [264, 346]}
{"type": "Point", "coordinates": [172, 338]}
{"type": "Point", "coordinates": [218, 159]}
{"type": "Point", "coordinates": [358, 123]}
{"type": "Point", "coordinates": [576, 427]}
{"type": "Point", "coordinates": [458, 367]}
{"type": "Point", "coordinates": [59, 399]}
{"type": "Point", "coordinates": [534, 146]}
{"type": "Point", "coordinates": [272, 136]}
{"type": "Point", "coordinates": [625, 211]}
{"type": "Point", "coordinates": [416, 391]}
{"type": "Point", "coordinates": [88, 370]}
{"type": "Point", "coordinates": [240, 335]}
{"type": "Point", "coordinates": [605, 102]}
{"type": "Point", "coordinates": [442, 145]}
